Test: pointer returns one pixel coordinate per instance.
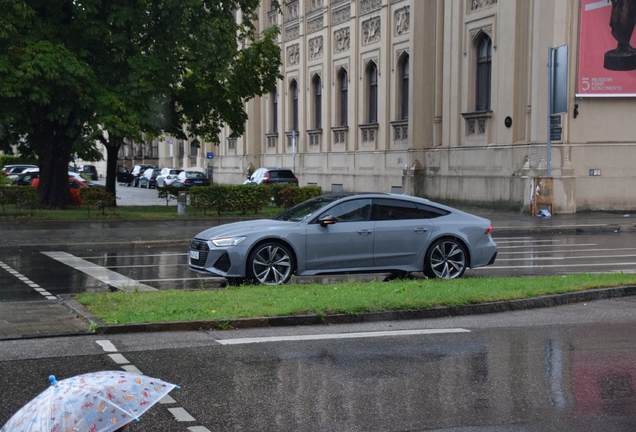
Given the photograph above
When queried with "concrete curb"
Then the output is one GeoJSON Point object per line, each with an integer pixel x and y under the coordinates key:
{"type": "Point", "coordinates": [313, 319]}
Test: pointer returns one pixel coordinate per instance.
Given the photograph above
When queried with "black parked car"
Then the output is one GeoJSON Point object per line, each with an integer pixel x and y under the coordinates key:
{"type": "Point", "coordinates": [137, 172]}
{"type": "Point", "coordinates": [123, 175]}
{"type": "Point", "coordinates": [89, 170]}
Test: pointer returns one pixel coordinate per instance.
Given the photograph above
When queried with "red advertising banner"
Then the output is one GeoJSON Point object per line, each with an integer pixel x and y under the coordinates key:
{"type": "Point", "coordinates": [607, 57]}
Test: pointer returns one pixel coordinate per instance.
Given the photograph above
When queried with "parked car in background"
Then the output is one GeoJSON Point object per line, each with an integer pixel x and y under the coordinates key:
{"type": "Point", "coordinates": [272, 175]}
{"type": "Point", "coordinates": [191, 178]}
{"type": "Point", "coordinates": [346, 233]}
{"type": "Point", "coordinates": [28, 175]}
{"type": "Point", "coordinates": [74, 184]}
{"type": "Point", "coordinates": [89, 171]}
{"type": "Point", "coordinates": [167, 176]}
{"type": "Point", "coordinates": [136, 172]}
{"type": "Point", "coordinates": [149, 178]}
{"type": "Point", "coordinates": [12, 171]}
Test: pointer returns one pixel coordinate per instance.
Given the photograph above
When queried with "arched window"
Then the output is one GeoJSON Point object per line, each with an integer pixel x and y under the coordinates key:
{"type": "Point", "coordinates": [275, 110]}
{"type": "Point", "coordinates": [317, 90]}
{"type": "Point", "coordinates": [372, 92]}
{"type": "Point", "coordinates": [293, 91]}
{"type": "Point", "coordinates": [343, 96]}
{"type": "Point", "coordinates": [403, 87]}
{"type": "Point", "coordinates": [484, 61]}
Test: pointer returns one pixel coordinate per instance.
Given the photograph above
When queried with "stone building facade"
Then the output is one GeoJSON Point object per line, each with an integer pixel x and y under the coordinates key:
{"type": "Point", "coordinates": [445, 99]}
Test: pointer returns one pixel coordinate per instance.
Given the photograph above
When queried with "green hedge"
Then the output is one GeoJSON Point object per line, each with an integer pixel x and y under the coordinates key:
{"type": "Point", "coordinates": [247, 198]}
{"type": "Point", "coordinates": [16, 160]}
{"type": "Point", "coordinates": [19, 197]}
{"type": "Point", "coordinates": [96, 198]}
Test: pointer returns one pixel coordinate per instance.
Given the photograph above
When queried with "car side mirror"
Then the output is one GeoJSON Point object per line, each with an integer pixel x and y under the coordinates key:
{"type": "Point", "coordinates": [327, 220]}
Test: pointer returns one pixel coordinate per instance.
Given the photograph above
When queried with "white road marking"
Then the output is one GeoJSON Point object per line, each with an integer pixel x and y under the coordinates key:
{"type": "Point", "coordinates": [106, 345]}
{"type": "Point", "coordinates": [135, 256]}
{"type": "Point", "coordinates": [179, 279]}
{"type": "Point", "coordinates": [167, 400]}
{"type": "Point", "coordinates": [181, 415]}
{"type": "Point", "coordinates": [100, 273]}
{"type": "Point", "coordinates": [118, 358]}
{"type": "Point", "coordinates": [579, 257]}
{"type": "Point", "coordinates": [547, 246]}
{"type": "Point", "coordinates": [198, 429]}
{"type": "Point", "coordinates": [132, 369]}
{"type": "Point", "coordinates": [532, 252]}
{"type": "Point", "coordinates": [558, 265]}
{"type": "Point", "coordinates": [338, 336]}
{"type": "Point", "coordinates": [28, 281]}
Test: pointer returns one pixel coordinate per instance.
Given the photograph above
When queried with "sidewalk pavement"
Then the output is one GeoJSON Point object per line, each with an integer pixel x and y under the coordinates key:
{"type": "Point", "coordinates": [66, 316]}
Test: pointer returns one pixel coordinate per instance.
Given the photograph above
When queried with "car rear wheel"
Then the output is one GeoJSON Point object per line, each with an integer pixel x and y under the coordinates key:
{"type": "Point", "coordinates": [270, 264]}
{"type": "Point", "coordinates": [445, 259]}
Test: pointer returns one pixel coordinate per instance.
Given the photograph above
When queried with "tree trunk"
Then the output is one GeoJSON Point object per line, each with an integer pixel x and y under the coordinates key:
{"type": "Point", "coordinates": [53, 146]}
{"type": "Point", "coordinates": [112, 151]}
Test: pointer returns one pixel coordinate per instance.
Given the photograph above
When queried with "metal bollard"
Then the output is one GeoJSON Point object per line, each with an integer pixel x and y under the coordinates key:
{"type": "Point", "coordinates": [182, 200]}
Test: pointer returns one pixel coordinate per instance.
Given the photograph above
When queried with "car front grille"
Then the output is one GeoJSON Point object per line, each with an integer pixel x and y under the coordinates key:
{"type": "Point", "coordinates": [203, 248]}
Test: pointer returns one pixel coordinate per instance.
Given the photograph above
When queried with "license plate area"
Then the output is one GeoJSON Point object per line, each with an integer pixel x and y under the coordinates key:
{"type": "Point", "coordinates": [194, 254]}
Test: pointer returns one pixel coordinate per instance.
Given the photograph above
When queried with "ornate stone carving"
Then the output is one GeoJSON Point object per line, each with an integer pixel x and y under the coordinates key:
{"type": "Point", "coordinates": [315, 48]}
{"type": "Point", "coordinates": [341, 15]}
{"type": "Point", "coordinates": [292, 11]}
{"type": "Point", "coordinates": [369, 5]}
{"type": "Point", "coordinates": [474, 32]}
{"type": "Point", "coordinates": [341, 39]}
{"type": "Point", "coordinates": [480, 4]}
{"type": "Point", "coordinates": [371, 31]}
{"type": "Point", "coordinates": [292, 32]}
{"type": "Point", "coordinates": [293, 54]}
{"type": "Point", "coordinates": [315, 4]}
{"type": "Point", "coordinates": [402, 20]}
{"type": "Point", "coordinates": [315, 24]}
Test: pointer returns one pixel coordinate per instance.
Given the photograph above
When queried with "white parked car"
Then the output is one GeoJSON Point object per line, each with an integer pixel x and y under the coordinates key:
{"type": "Point", "coordinates": [167, 176]}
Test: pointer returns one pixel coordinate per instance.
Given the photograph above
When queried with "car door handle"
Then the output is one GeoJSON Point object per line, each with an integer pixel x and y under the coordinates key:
{"type": "Point", "coordinates": [420, 230]}
{"type": "Point", "coordinates": [365, 232]}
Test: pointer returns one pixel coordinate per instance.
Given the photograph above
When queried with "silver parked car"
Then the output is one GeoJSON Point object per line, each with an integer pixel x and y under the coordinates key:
{"type": "Point", "coordinates": [347, 233]}
{"type": "Point", "coordinates": [167, 176]}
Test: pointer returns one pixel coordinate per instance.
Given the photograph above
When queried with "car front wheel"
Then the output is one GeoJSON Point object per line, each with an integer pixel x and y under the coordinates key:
{"type": "Point", "coordinates": [445, 259]}
{"type": "Point", "coordinates": [270, 264]}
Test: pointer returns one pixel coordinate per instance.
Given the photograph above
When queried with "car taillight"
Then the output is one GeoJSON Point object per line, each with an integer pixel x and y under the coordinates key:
{"type": "Point", "coordinates": [489, 230]}
{"type": "Point", "coordinates": [168, 177]}
{"type": "Point", "coordinates": [187, 181]}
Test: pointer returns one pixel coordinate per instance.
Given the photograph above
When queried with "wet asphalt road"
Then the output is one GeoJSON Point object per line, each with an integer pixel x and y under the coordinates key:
{"type": "Point", "coordinates": [166, 267]}
{"type": "Point", "coordinates": [570, 368]}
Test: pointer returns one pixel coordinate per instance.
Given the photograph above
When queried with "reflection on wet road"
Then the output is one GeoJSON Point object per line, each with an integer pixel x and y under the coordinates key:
{"type": "Point", "coordinates": [167, 267]}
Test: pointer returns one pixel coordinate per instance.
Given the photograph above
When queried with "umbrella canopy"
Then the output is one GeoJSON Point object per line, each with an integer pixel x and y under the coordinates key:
{"type": "Point", "coordinates": [95, 402]}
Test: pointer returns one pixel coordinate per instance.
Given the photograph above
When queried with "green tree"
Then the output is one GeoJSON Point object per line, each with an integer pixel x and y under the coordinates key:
{"type": "Point", "coordinates": [76, 71]}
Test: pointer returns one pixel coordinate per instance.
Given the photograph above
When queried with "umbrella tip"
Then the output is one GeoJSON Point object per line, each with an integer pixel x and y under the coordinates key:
{"type": "Point", "coordinates": [52, 380]}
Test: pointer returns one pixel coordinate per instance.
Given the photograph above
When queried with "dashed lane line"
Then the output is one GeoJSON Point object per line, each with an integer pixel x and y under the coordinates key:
{"type": "Point", "coordinates": [27, 281]}
{"type": "Point", "coordinates": [180, 414]}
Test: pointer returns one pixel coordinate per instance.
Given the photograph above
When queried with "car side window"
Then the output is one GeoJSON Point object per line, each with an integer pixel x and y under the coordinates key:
{"type": "Point", "coordinates": [394, 209]}
{"type": "Point", "coordinates": [431, 212]}
{"type": "Point", "coordinates": [351, 211]}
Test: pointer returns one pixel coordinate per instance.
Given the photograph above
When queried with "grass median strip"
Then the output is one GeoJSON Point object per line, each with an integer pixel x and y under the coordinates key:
{"type": "Point", "coordinates": [250, 301]}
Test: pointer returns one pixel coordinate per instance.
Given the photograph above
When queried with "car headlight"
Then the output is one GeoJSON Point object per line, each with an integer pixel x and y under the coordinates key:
{"type": "Point", "coordinates": [227, 241]}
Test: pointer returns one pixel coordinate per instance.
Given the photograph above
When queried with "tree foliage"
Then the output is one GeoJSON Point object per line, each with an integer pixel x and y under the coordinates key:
{"type": "Point", "coordinates": [76, 71]}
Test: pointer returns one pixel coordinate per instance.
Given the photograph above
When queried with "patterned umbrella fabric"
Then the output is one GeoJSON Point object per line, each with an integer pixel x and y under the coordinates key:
{"type": "Point", "coordinates": [94, 402]}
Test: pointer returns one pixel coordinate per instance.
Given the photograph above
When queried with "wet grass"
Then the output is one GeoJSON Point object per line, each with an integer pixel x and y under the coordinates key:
{"type": "Point", "coordinates": [249, 301]}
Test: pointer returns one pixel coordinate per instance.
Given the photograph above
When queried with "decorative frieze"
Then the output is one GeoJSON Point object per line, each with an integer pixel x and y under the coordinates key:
{"type": "Point", "coordinates": [272, 17]}
{"type": "Point", "coordinates": [480, 4]}
{"type": "Point", "coordinates": [367, 6]}
{"type": "Point", "coordinates": [341, 39]}
{"type": "Point", "coordinates": [371, 31]}
{"type": "Point", "coordinates": [292, 32]}
{"type": "Point", "coordinates": [315, 48]}
{"type": "Point", "coordinates": [487, 29]}
{"type": "Point", "coordinates": [341, 15]}
{"type": "Point", "coordinates": [291, 12]}
{"type": "Point", "coordinates": [315, 24]}
{"type": "Point", "coordinates": [402, 21]}
{"type": "Point", "coordinates": [293, 54]}
{"type": "Point", "coordinates": [315, 4]}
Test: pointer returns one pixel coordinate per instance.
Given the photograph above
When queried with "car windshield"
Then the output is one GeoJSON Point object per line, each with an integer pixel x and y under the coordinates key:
{"type": "Point", "coordinates": [195, 175]}
{"type": "Point", "coordinates": [306, 209]}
